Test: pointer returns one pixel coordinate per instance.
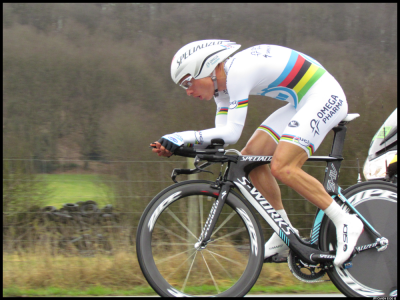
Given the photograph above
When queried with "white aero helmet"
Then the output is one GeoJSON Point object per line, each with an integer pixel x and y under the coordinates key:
{"type": "Point", "coordinates": [200, 58]}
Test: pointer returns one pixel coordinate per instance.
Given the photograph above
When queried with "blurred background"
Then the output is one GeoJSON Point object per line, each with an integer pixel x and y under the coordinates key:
{"type": "Point", "coordinates": [87, 87]}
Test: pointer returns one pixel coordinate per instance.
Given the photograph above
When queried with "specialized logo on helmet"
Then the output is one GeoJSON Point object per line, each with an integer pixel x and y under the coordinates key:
{"type": "Point", "coordinates": [195, 48]}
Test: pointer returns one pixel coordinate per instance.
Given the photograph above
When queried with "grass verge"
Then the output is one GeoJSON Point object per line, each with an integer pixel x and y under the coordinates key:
{"type": "Point", "coordinates": [71, 188]}
{"type": "Point", "coordinates": [325, 287]}
{"type": "Point", "coordinates": [35, 274]}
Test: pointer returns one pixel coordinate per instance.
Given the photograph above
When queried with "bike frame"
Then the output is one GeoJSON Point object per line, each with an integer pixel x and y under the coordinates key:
{"type": "Point", "coordinates": [237, 175]}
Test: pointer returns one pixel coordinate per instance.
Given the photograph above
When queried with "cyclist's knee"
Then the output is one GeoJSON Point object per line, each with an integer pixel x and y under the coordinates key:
{"type": "Point", "coordinates": [251, 148]}
{"type": "Point", "coordinates": [248, 150]}
{"type": "Point", "coordinates": [257, 146]}
{"type": "Point", "coordinates": [282, 171]}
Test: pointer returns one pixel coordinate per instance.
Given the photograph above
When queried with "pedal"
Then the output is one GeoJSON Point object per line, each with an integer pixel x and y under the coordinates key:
{"type": "Point", "coordinates": [275, 259]}
{"type": "Point", "coordinates": [347, 265]}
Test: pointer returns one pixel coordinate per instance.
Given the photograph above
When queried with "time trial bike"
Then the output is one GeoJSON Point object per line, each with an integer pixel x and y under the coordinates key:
{"type": "Point", "coordinates": [203, 237]}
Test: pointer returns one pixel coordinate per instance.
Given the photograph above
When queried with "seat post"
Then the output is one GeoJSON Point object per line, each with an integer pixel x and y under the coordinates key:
{"type": "Point", "coordinates": [338, 140]}
{"type": "Point", "coordinates": [333, 168]}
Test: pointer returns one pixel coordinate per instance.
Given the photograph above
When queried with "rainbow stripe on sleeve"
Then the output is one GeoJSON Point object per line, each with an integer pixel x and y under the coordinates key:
{"type": "Point", "coordinates": [223, 111]}
{"type": "Point", "coordinates": [271, 132]}
{"type": "Point", "coordinates": [242, 103]}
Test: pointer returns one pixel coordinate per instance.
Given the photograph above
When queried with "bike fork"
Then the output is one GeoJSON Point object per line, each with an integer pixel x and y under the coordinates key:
{"type": "Point", "coordinates": [205, 236]}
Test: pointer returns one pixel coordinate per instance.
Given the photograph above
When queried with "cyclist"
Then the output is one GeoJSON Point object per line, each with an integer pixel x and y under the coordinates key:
{"type": "Point", "coordinates": [316, 104]}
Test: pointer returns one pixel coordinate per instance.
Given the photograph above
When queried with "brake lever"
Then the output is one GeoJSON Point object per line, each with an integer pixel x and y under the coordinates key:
{"type": "Point", "coordinates": [176, 172]}
{"type": "Point", "coordinates": [196, 162]}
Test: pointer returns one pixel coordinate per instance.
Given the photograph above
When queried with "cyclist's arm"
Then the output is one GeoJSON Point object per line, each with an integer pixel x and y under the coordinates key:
{"type": "Point", "coordinates": [221, 115]}
{"type": "Point", "coordinates": [240, 82]}
{"type": "Point", "coordinates": [229, 131]}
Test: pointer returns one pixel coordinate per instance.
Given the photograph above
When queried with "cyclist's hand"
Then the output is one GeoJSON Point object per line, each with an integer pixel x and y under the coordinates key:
{"type": "Point", "coordinates": [171, 141]}
{"type": "Point", "coordinates": [160, 150]}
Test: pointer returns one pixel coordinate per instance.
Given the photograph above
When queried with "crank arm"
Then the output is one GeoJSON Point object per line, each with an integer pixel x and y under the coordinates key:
{"type": "Point", "coordinates": [381, 244]}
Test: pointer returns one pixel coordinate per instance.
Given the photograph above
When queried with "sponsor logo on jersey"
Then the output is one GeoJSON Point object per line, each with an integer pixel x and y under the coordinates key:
{"type": "Point", "coordinates": [282, 97]}
{"type": "Point", "coordinates": [199, 137]}
{"type": "Point", "coordinates": [233, 104]}
{"type": "Point", "coordinates": [261, 51]}
{"type": "Point", "coordinates": [301, 141]}
{"type": "Point", "coordinates": [314, 126]}
{"type": "Point", "coordinates": [330, 108]}
{"type": "Point", "coordinates": [293, 123]}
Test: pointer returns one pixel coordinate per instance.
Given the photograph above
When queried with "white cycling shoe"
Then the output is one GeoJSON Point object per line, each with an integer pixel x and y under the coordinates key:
{"type": "Point", "coordinates": [275, 245]}
{"type": "Point", "coordinates": [347, 234]}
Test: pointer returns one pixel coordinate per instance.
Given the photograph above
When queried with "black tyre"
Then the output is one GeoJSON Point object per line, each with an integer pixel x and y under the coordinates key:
{"type": "Point", "coordinates": [373, 273]}
{"type": "Point", "coordinates": [228, 266]}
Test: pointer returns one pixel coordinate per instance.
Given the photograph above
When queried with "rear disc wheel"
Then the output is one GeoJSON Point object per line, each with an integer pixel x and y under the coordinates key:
{"type": "Point", "coordinates": [373, 273]}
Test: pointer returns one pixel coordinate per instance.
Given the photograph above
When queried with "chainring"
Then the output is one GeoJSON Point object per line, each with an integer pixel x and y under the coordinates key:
{"type": "Point", "coordinates": [303, 271]}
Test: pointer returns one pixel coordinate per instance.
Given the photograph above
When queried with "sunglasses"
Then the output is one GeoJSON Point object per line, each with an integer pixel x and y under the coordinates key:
{"type": "Point", "coordinates": [186, 82]}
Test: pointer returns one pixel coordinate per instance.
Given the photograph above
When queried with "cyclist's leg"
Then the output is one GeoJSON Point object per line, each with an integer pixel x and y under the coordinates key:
{"type": "Point", "coordinates": [321, 109]}
{"type": "Point", "coordinates": [286, 166]}
{"type": "Point", "coordinates": [264, 142]}
{"type": "Point", "coordinates": [314, 119]}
